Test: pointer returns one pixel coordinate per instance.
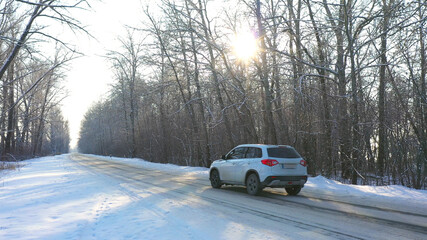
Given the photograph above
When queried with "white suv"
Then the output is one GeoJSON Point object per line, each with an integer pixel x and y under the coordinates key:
{"type": "Point", "coordinates": [257, 166]}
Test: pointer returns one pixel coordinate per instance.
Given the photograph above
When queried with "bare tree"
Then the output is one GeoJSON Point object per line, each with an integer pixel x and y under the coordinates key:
{"type": "Point", "coordinates": [326, 66]}
{"type": "Point", "coordinates": [24, 73]}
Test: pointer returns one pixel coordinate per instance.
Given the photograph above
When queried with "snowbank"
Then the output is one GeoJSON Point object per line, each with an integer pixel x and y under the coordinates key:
{"type": "Point", "coordinates": [201, 171]}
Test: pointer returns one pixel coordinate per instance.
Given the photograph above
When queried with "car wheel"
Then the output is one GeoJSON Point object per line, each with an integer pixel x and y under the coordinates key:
{"type": "Point", "coordinates": [215, 180]}
{"type": "Point", "coordinates": [253, 185]}
{"type": "Point", "coordinates": [293, 190]}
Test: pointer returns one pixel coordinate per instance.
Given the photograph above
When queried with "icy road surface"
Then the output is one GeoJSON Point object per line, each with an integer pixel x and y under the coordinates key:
{"type": "Point", "coordinates": [89, 197]}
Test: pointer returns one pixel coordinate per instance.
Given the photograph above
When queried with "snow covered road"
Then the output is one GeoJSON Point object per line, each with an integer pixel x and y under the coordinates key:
{"type": "Point", "coordinates": [88, 197]}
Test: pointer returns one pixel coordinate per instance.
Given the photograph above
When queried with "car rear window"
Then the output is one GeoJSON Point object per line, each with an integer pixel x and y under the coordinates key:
{"type": "Point", "coordinates": [283, 152]}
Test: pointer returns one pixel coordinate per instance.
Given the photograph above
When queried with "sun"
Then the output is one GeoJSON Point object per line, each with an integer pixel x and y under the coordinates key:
{"type": "Point", "coordinates": [245, 45]}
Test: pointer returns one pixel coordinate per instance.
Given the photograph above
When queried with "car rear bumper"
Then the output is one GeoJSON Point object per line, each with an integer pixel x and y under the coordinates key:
{"type": "Point", "coordinates": [284, 181]}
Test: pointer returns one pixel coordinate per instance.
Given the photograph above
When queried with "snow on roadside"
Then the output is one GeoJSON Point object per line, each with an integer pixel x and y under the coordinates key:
{"type": "Point", "coordinates": [200, 171]}
{"type": "Point", "coordinates": [395, 192]}
{"type": "Point", "coordinates": [393, 197]}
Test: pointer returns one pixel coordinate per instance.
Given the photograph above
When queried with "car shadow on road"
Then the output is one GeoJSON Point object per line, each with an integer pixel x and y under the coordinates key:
{"type": "Point", "coordinates": [267, 192]}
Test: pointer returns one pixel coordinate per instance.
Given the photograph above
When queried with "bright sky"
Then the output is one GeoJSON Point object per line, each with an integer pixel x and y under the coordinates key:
{"type": "Point", "coordinates": [89, 77]}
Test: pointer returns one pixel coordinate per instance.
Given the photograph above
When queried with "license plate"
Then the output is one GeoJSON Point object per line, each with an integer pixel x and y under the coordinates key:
{"type": "Point", "coordinates": [289, 165]}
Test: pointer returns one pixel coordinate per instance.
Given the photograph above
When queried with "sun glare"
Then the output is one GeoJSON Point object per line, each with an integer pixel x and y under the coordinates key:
{"type": "Point", "coordinates": [245, 45]}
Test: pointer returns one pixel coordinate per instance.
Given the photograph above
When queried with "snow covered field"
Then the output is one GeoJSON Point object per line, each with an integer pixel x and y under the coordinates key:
{"type": "Point", "coordinates": [56, 198]}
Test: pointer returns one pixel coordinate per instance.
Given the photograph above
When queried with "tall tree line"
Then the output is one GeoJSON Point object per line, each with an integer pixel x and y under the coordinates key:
{"type": "Point", "coordinates": [344, 82]}
{"type": "Point", "coordinates": [31, 122]}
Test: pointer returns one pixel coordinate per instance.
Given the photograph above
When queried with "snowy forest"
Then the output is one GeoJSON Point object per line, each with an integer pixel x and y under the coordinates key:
{"type": "Point", "coordinates": [31, 76]}
{"type": "Point", "coordinates": [344, 83]}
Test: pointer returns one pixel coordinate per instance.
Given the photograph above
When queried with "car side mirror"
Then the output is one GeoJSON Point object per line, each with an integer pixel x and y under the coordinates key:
{"type": "Point", "coordinates": [223, 157]}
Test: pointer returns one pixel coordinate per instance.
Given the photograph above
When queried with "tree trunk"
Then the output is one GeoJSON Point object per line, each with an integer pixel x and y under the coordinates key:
{"type": "Point", "coordinates": [37, 145]}
{"type": "Point", "coordinates": [355, 153]}
{"type": "Point", "coordinates": [382, 135]}
{"type": "Point", "coordinates": [343, 119]}
{"type": "Point", "coordinates": [195, 126]}
{"type": "Point", "coordinates": [327, 159]}
{"type": "Point", "coordinates": [207, 160]}
{"type": "Point", "coordinates": [212, 62]}
{"type": "Point", "coordinates": [38, 9]}
{"type": "Point", "coordinates": [124, 105]}
{"type": "Point", "coordinates": [270, 129]}
{"type": "Point", "coordinates": [10, 113]}
{"type": "Point", "coordinates": [133, 105]}
{"type": "Point", "coordinates": [422, 100]}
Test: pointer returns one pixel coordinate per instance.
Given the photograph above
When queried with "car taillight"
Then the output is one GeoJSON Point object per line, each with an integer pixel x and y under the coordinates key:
{"type": "Point", "coordinates": [303, 163]}
{"type": "Point", "coordinates": [269, 162]}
